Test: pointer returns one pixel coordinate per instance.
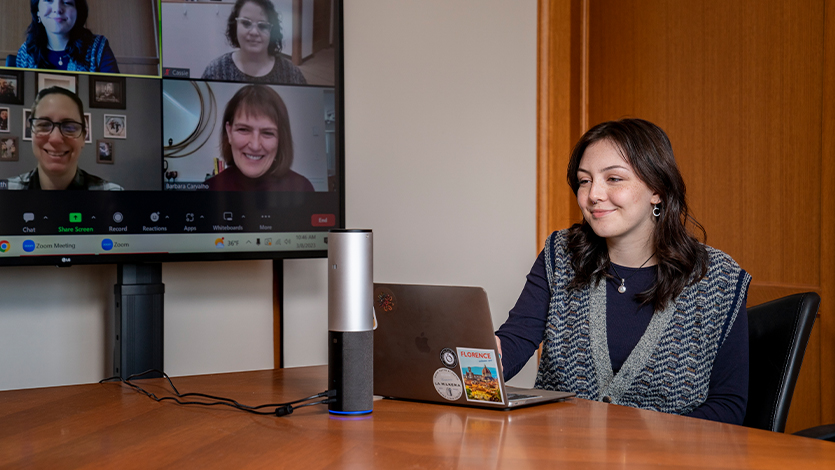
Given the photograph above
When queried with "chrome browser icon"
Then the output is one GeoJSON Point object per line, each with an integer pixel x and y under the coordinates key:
{"type": "Point", "coordinates": [5, 246]}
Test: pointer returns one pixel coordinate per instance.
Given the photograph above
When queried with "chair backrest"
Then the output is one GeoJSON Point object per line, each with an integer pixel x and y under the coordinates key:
{"type": "Point", "coordinates": [778, 332]}
{"type": "Point", "coordinates": [11, 60]}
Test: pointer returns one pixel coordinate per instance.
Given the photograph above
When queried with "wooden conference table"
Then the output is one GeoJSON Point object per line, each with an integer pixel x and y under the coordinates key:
{"type": "Point", "coordinates": [112, 426]}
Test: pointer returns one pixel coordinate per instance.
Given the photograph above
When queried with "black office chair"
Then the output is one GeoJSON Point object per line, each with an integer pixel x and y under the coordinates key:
{"type": "Point", "coordinates": [778, 332]}
{"type": "Point", "coordinates": [825, 432]}
{"type": "Point", "coordinates": [11, 60]}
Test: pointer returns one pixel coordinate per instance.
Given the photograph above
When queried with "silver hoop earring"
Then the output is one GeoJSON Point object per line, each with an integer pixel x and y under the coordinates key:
{"type": "Point", "coordinates": [656, 211]}
{"type": "Point", "coordinates": [39, 19]}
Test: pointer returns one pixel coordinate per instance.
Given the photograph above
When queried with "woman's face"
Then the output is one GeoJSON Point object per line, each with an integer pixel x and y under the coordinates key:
{"type": "Point", "coordinates": [253, 40]}
{"type": "Point", "coordinates": [57, 154]}
{"type": "Point", "coordinates": [614, 201]}
{"type": "Point", "coordinates": [57, 16]}
{"type": "Point", "coordinates": [254, 143]}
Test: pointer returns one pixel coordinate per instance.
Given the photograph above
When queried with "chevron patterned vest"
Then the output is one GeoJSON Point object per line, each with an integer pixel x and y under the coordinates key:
{"type": "Point", "coordinates": [669, 369]}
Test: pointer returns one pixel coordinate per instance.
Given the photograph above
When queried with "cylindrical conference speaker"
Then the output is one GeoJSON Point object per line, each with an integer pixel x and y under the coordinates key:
{"type": "Point", "coordinates": [350, 321]}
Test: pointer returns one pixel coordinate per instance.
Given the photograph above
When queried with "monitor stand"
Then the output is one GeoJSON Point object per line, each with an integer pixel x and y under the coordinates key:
{"type": "Point", "coordinates": [139, 319]}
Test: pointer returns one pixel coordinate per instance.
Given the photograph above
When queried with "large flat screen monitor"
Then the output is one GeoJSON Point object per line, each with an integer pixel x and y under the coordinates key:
{"type": "Point", "coordinates": [210, 130]}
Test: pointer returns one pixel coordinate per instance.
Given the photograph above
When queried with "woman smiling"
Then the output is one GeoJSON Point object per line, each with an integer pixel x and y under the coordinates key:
{"type": "Point", "coordinates": [256, 144]}
{"type": "Point", "coordinates": [58, 132]}
{"type": "Point", "coordinates": [630, 308]}
{"type": "Point", "coordinates": [57, 39]}
{"type": "Point", "coordinates": [253, 28]}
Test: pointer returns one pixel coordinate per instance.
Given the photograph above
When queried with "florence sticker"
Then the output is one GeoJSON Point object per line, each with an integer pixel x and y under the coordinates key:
{"type": "Point", "coordinates": [480, 373]}
{"type": "Point", "coordinates": [447, 384]}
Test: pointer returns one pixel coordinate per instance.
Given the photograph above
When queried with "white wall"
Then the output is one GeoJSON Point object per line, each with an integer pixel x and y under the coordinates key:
{"type": "Point", "coordinates": [441, 164]}
{"type": "Point", "coordinates": [441, 148]}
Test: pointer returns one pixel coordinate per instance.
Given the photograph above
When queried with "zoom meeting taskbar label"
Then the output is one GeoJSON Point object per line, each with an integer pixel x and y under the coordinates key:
{"type": "Point", "coordinates": [79, 245]}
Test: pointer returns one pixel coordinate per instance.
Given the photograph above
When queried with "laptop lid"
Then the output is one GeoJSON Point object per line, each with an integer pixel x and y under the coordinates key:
{"type": "Point", "coordinates": [436, 344]}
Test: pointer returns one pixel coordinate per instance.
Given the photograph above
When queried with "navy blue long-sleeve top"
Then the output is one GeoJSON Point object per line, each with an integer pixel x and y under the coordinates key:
{"type": "Point", "coordinates": [626, 322]}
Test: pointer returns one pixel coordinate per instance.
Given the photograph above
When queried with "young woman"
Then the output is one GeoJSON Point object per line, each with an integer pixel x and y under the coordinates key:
{"type": "Point", "coordinates": [57, 39]}
{"type": "Point", "coordinates": [58, 132]}
{"type": "Point", "coordinates": [629, 307]}
{"type": "Point", "coordinates": [256, 144]}
{"type": "Point", "coordinates": [253, 29]}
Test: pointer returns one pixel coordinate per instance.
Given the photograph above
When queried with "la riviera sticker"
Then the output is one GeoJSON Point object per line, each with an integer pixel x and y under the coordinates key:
{"type": "Point", "coordinates": [480, 373]}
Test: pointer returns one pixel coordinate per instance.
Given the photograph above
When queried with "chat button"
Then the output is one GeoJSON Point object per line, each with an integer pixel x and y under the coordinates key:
{"type": "Point", "coordinates": [28, 216]}
{"type": "Point", "coordinates": [323, 220]}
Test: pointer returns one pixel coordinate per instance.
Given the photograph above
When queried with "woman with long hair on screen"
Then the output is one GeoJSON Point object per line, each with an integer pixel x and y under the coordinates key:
{"type": "Point", "coordinates": [256, 144]}
{"type": "Point", "coordinates": [254, 30]}
{"type": "Point", "coordinates": [630, 308]}
{"type": "Point", "coordinates": [58, 39]}
{"type": "Point", "coordinates": [58, 132]}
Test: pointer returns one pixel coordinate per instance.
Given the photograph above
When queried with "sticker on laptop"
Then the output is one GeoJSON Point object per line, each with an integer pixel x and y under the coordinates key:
{"type": "Point", "coordinates": [447, 384]}
{"type": "Point", "coordinates": [448, 358]}
{"type": "Point", "coordinates": [384, 300]}
{"type": "Point", "coordinates": [480, 372]}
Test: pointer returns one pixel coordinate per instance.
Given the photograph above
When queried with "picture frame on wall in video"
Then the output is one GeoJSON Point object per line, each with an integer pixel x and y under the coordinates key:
{"type": "Point", "coordinates": [47, 80]}
{"type": "Point", "coordinates": [107, 92]}
{"type": "Point", "coordinates": [11, 87]}
{"type": "Point", "coordinates": [104, 151]}
{"type": "Point", "coordinates": [8, 149]}
{"type": "Point", "coordinates": [115, 126]}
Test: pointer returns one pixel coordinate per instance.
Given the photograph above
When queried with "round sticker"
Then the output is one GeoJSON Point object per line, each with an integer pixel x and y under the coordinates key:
{"type": "Point", "coordinates": [448, 358]}
{"type": "Point", "coordinates": [384, 300]}
{"type": "Point", "coordinates": [447, 384]}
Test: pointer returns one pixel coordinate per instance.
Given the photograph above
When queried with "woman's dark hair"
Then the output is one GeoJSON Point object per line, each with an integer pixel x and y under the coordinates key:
{"type": "Point", "coordinates": [56, 90]}
{"type": "Point", "coordinates": [681, 259]}
{"type": "Point", "coordinates": [260, 100]}
{"type": "Point", "coordinates": [272, 16]}
{"type": "Point", "coordinates": [80, 37]}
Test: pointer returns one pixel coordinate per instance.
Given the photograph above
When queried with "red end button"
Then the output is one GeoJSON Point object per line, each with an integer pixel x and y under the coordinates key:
{"type": "Point", "coordinates": [323, 220]}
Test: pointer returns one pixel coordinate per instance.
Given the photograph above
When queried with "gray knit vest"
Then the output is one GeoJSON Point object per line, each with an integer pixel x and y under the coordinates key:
{"type": "Point", "coordinates": [669, 369]}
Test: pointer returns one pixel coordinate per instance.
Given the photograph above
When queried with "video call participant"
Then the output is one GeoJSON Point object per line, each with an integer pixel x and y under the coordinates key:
{"type": "Point", "coordinates": [256, 144]}
{"type": "Point", "coordinates": [58, 132]}
{"type": "Point", "coordinates": [629, 307]}
{"type": "Point", "coordinates": [254, 30]}
{"type": "Point", "coordinates": [57, 39]}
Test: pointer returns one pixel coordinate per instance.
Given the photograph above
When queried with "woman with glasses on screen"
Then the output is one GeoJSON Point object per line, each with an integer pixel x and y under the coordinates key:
{"type": "Point", "coordinates": [57, 39]}
{"type": "Point", "coordinates": [629, 307]}
{"type": "Point", "coordinates": [253, 29]}
{"type": "Point", "coordinates": [257, 145]}
{"type": "Point", "coordinates": [58, 132]}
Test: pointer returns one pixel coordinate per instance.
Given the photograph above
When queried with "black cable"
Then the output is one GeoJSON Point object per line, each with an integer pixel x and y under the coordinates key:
{"type": "Point", "coordinates": [281, 409]}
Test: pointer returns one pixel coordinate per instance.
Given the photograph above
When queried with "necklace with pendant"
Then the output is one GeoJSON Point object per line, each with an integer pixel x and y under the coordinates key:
{"type": "Point", "coordinates": [61, 60]}
{"type": "Point", "coordinates": [622, 286]}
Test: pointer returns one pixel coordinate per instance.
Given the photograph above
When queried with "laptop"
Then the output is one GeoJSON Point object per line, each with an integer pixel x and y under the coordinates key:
{"type": "Point", "coordinates": [436, 344]}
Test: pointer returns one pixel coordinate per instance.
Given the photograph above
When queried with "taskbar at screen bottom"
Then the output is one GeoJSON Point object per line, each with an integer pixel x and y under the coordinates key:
{"type": "Point", "coordinates": [121, 246]}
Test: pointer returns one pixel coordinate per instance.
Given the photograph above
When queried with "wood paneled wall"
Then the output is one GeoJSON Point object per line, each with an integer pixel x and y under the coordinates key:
{"type": "Point", "coordinates": [129, 25]}
{"type": "Point", "coordinates": [745, 91]}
